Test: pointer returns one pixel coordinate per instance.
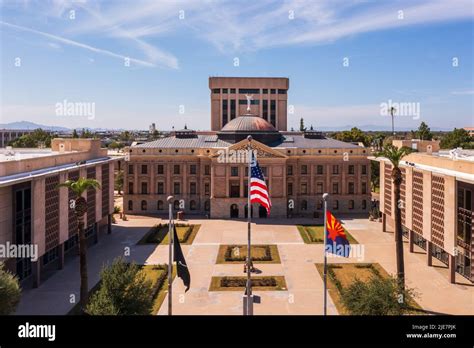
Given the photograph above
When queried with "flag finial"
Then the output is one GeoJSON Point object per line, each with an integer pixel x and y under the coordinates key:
{"type": "Point", "coordinates": [249, 138]}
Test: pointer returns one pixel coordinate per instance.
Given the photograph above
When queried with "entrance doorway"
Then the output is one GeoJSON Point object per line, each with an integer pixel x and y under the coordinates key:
{"type": "Point", "coordinates": [234, 211]}
{"type": "Point", "coordinates": [262, 212]}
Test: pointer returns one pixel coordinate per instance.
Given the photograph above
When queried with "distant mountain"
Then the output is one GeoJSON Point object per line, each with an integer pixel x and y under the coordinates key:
{"type": "Point", "coordinates": [31, 125]}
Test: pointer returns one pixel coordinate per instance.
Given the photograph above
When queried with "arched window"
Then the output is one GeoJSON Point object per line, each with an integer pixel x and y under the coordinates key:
{"type": "Point", "coordinates": [335, 204]}
{"type": "Point", "coordinates": [207, 205]}
{"type": "Point", "coordinates": [130, 205]}
{"type": "Point", "coordinates": [192, 205]}
{"type": "Point", "coordinates": [144, 205]}
{"type": "Point", "coordinates": [176, 204]}
{"type": "Point", "coordinates": [364, 204]}
{"type": "Point", "coordinates": [304, 205]}
{"type": "Point", "coordinates": [159, 205]}
{"type": "Point", "coordinates": [351, 204]}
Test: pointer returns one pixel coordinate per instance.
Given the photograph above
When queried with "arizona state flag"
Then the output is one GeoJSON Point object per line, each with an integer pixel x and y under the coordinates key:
{"type": "Point", "coordinates": [181, 266]}
{"type": "Point", "coordinates": [337, 242]}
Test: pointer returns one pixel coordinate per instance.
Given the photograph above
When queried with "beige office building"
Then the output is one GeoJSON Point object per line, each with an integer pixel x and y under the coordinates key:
{"type": "Point", "coordinates": [34, 211]}
{"type": "Point", "coordinates": [437, 204]}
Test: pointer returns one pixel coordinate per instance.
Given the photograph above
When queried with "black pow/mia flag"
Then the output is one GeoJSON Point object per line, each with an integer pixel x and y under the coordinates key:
{"type": "Point", "coordinates": [182, 267]}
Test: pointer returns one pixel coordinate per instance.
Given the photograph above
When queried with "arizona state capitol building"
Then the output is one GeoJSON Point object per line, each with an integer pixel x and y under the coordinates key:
{"type": "Point", "coordinates": [207, 171]}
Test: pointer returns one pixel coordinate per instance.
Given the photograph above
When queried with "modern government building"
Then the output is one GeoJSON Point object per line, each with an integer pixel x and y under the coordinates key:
{"type": "Point", "coordinates": [206, 172]}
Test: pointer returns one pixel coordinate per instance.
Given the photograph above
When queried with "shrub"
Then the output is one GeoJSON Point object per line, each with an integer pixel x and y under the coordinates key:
{"type": "Point", "coordinates": [123, 291]}
{"type": "Point", "coordinates": [377, 296]}
{"type": "Point", "coordinates": [10, 291]}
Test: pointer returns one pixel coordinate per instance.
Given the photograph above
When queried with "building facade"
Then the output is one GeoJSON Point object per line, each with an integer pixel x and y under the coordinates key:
{"type": "Point", "coordinates": [8, 135]}
{"type": "Point", "coordinates": [206, 172]}
{"type": "Point", "coordinates": [437, 204]}
{"type": "Point", "coordinates": [34, 211]}
{"type": "Point", "coordinates": [269, 99]}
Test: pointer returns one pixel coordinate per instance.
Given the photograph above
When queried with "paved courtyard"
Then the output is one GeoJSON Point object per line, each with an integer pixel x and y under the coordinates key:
{"type": "Point", "coordinates": [305, 286]}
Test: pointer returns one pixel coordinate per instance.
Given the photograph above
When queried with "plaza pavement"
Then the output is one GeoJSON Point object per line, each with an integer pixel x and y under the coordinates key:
{"type": "Point", "coordinates": [304, 294]}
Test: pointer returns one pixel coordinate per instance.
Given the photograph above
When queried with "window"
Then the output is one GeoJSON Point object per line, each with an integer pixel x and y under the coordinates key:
{"type": "Point", "coordinates": [290, 189]}
{"type": "Point", "coordinates": [234, 171]}
{"type": "Point", "coordinates": [160, 169]}
{"type": "Point", "coordinates": [160, 188]}
{"type": "Point", "coordinates": [192, 205]}
{"type": "Point", "coordinates": [225, 112]}
{"type": "Point", "coordinates": [176, 205]}
{"type": "Point", "coordinates": [319, 187]}
{"type": "Point", "coordinates": [144, 188]}
{"type": "Point", "coordinates": [233, 109]}
{"type": "Point", "coordinates": [176, 169]}
{"type": "Point", "coordinates": [335, 204]}
{"type": "Point", "coordinates": [364, 204]}
{"type": "Point", "coordinates": [249, 91]}
{"type": "Point", "coordinates": [304, 169]}
{"type": "Point", "coordinates": [265, 110]}
{"type": "Point", "coordinates": [304, 205]}
{"type": "Point", "coordinates": [304, 188]}
{"type": "Point", "coordinates": [207, 170]}
{"type": "Point", "coordinates": [232, 90]}
{"type": "Point", "coordinates": [335, 188]}
{"type": "Point", "coordinates": [364, 169]}
{"type": "Point", "coordinates": [130, 205]}
{"type": "Point", "coordinates": [177, 188]}
{"type": "Point", "coordinates": [192, 169]}
{"type": "Point", "coordinates": [234, 190]}
{"type": "Point", "coordinates": [335, 169]}
{"type": "Point", "coordinates": [289, 170]}
{"type": "Point", "coordinates": [351, 204]}
{"type": "Point", "coordinates": [130, 188]}
{"type": "Point", "coordinates": [351, 188]}
{"type": "Point", "coordinates": [319, 169]}
{"type": "Point", "coordinates": [273, 91]}
{"type": "Point", "coordinates": [206, 188]}
{"type": "Point", "coordinates": [265, 91]}
{"type": "Point", "coordinates": [144, 169]}
{"type": "Point", "coordinates": [192, 188]}
{"type": "Point", "coordinates": [207, 206]}
{"type": "Point", "coordinates": [264, 171]}
{"type": "Point", "coordinates": [216, 90]}
{"type": "Point", "coordinates": [224, 90]}
{"type": "Point", "coordinates": [351, 169]}
{"type": "Point", "coordinates": [319, 205]}
{"type": "Point", "coordinates": [144, 205]}
{"type": "Point", "coordinates": [273, 112]}
{"type": "Point", "coordinates": [364, 188]}
{"type": "Point", "coordinates": [159, 205]}
{"type": "Point", "coordinates": [130, 169]}
{"type": "Point", "coordinates": [282, 91]}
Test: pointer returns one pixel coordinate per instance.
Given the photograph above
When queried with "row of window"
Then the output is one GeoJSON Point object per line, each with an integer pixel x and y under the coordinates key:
{"type": "Point", "coordinates": [160, 205]}
{"type": "Point", "coordinates": [320, 169]}
{"type": "Point", "coordinates": [335, 188]}
{"type": "Point", "coordinates": [249, 91]}
{"type": "Point", "coordinates": [160, 188]}
{"type": "Point", "coordinates": [335, 205]}
{"type": "Point", "coordinates": [160, 169]}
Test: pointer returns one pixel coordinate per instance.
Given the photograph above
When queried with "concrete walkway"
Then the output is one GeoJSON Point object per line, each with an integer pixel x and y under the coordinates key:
{"type": "Point", "coordinates": [304, 294]}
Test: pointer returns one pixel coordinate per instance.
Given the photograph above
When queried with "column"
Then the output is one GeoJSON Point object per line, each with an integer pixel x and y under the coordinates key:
{"type": "Point", "coordinates": [36, 273]}
{"type": "Point", "coordinates": [61, 256]}
{"type": "Point", "coordinates": [429, 257]}
{"type": "Point", "coordinates": [384, 222]}
{"type": "Point", "coordinates": [452, 269]}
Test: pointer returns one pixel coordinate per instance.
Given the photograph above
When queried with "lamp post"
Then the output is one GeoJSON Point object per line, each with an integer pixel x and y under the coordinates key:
{"type": "Point", "coordinates": [170, 260]}
{"type": "Point", "coordinates": [325, 199]}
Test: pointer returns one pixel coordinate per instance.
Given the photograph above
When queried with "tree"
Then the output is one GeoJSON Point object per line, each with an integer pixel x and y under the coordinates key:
{"type": "Point", "coordinates": [354, 135]}
{"type": "Point", "coordinates": [124, 290]}
{"type": "Point", "coordinates": [395, 155]}
{"type": "Point", "coordinates": [10, 291]}
{"type": "Point", "coordinates": [119, 182]}
{"type": "Point", "coordinates": [375, 176]}
{"type": "Point", "coordinates": [392, 112]}
{"type": "Point", "coordinates": [457, 138]}
{"type": "Point", "coordinates": [302, 127]}
{"type": "Point", "coordinates": [37, 138]}
{"type": "Point", "coordinates": [80, 208]}
{"type": "Point", "coordinates": [424, 132]}
{"type": "Point", "coordinates": [86, 134]}
{"type": "Point", "coordinates": [377, 296]}
{"type": "Point", "coordinates": [74, 134]}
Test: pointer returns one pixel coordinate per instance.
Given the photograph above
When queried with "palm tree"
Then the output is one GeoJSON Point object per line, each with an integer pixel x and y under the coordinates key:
{"type": "Point", "coordinates": [392, 111]}
{"type": "Point", "coordinates": [395, 155]}
{"type": "Point", "coordinates": [80, 186]}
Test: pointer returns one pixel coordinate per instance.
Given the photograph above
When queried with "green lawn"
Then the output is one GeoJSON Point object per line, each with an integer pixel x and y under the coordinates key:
{"type": "Point", "coordinates": [314, 234]}
{"type": "Point", "coordinates": [238, 254]}
{"type": "Point", "coordinates": [158, 234]}
{"type": "Point", "coordinates": [269, 283]}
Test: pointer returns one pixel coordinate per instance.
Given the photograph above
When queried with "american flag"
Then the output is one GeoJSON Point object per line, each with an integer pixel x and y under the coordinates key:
{"type": "Point", "coordinates": [258, 188]}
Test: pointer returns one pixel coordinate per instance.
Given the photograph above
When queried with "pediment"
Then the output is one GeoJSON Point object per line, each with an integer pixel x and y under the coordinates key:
{"type": "Point", "coordinates": [263, 151]}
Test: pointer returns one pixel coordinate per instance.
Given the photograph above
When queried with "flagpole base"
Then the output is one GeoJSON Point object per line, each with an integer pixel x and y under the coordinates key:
{"type": "Point", "coordinates": [247, 310]}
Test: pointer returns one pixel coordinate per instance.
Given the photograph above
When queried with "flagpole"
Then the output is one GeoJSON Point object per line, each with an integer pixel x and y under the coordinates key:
{"type": "Point", "coordinates": [325, 197]}
{"type": "Point", "coordinates": [249, 219]}
{"type": "Point", "coordinates": [170, 260]}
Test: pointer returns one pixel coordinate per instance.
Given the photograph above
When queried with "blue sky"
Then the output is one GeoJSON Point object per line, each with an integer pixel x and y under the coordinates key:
{"type": "Point", "coordinates": [398, 50]}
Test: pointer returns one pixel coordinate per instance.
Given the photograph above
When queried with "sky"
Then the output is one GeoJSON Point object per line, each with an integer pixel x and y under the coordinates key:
{"type": "Point", "coordinates": [129, 63]}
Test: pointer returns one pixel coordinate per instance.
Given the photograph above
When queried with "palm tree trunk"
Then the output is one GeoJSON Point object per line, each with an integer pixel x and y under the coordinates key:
{"type": "Point", "coordinates": [83, 265]}
{"type": "Point", "coordinates": [398, 229]}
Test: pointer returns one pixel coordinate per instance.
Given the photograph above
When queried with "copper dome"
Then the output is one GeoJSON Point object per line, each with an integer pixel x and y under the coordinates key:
{"type": "Point", "coordinates": [248, 123]}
